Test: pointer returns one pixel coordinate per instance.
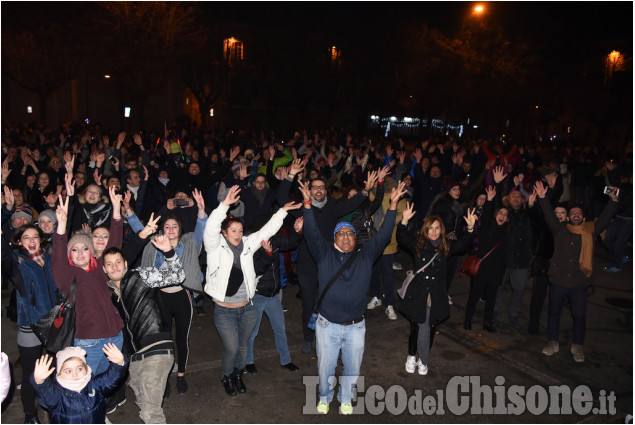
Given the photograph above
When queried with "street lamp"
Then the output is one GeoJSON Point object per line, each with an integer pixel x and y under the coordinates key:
{"type": "Point", "coordinates": [478, 10]}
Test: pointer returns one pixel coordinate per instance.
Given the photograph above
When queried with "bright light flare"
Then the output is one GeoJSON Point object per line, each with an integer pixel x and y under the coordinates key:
{"type": "Point", "coordinates": [479, 9]}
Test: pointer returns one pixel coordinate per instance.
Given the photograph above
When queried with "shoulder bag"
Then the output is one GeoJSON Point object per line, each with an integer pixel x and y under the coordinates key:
{"type": "Point", "coordinates": [410, 275]}
{"type": "Point", "coordinates": [56, 329]}
{"type": "Point", "coordinates": [313, 318]}
{"type": "Point", "coordinates": [472, 263]}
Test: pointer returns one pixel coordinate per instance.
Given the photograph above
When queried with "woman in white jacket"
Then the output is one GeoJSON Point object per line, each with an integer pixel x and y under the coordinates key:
{"type": "Point", "coordinates": [231, 282]}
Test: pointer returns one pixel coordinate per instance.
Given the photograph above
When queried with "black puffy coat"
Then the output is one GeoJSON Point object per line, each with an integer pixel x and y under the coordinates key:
{"type": "Point", "coordinates": [267, 266]}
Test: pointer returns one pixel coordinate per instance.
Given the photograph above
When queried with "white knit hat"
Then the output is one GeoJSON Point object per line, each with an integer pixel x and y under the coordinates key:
{"type": "Point", "coordinates": [67, 353]}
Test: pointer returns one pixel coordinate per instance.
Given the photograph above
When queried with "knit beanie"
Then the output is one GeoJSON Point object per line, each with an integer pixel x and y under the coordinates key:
{"type": "Point", "coordinates": [81, 238]}
{"type": "Point", "coordinates": [236, 166]}
{"type": "Point", "coordinates": [343, 224]}
{"type": "Point", "coordinates": [449, 183]}
{"type": "Point", "coordinates": [24, 211]}
{"type": "Point", "coordinates": [50, 214]}
{"type": "Point", "coordinates": [67, 353]}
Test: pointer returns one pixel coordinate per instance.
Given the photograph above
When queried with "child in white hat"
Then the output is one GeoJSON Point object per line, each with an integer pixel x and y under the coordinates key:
{"type": "Point", "coordinates": [74, 388]}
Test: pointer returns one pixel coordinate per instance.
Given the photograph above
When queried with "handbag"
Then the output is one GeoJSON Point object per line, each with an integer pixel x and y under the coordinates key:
{"type": "Point", "coordinates": [56, 329]}
{"type": "Point", "coordinates": [313, 318]}
{"type": "Point", "coordinates": [410, 275]}
{"type": "Point", "coordinates": [472, 263]}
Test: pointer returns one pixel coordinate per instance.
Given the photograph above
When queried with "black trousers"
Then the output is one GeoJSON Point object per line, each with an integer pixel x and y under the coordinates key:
{"type": "Point", "coordinates": [309, 285]}
{"type": "Point", "coordinates": [178, 305]}
{"type": "Point", "coordinates": [538, 293]}
{"type": "Point", "coordinates": [483, 285]}
{"type": "Point", "coordinates": [28, 356]}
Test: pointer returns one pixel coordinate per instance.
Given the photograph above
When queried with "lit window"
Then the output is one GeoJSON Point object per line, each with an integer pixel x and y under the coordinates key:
{"type": "Point", "coordinates": [233, 51]}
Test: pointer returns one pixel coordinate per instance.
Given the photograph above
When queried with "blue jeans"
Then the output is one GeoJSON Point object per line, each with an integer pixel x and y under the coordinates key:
{"type": "Point", "coordinates": [578, 296]}
{"type": "Point", "coordinates": [331, 338]}
{"type": "Point", "coordinates": [234, 326]}
{"type": "Point", "coordinates": [272, 307]}
{"type": "Point", "coordinates": [95, 357]}
{"type": "Point", "coordinates": [383, 266]}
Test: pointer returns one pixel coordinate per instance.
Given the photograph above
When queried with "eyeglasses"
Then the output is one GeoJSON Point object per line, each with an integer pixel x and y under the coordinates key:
{"type": "Point", "coordinates": [318, 187]}
{"type": "Point", "coordinates": [342, 233]}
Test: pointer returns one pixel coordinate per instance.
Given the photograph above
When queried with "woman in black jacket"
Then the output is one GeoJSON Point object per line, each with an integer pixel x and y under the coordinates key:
{"type": "Point", "coordinates": [426, 299]}
{"type": "Point", "coordinates": [491, 237]}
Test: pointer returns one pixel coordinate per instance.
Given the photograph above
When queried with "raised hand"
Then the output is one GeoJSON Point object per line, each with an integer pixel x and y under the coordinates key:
{"type": "Point", "coordinates": [147, 175]}
{"type": "Point", "coordinates": [116, 199]}
{"type": "Point", "coordinates": [5, 170]}
{"type": "Point", "coordinates": [113, 353]}
{"type": "Point", "coordinates": [126, 203]}
{"type": "Point", "coordinates": [61, 213]}
{"type": "Point", "coordinates": [532, 198]}
{"type": "Point", "coordinates": [291, 206]}
{"type": "Point", "coordinates": [149, 228]}
{"type": "Point", "coordinates": [299, 223]}
{"type": "Point", "coordinates": [498, 174]}
{"type": "Point", "coordinates": [233, 153]}
{"type": "Point", "coordinates": [408, 213]}
{"type": "Point", "coordinates": [306, 192]}
{"type": "Point", "coordinates": [266, 245]}
{"type": "Point", "coordinates": [86, 228]}
{"type": "Point", "coordinates": [137, 140]}
{"type": "Point", "coordinates": [297, 166]}
{"type": "Point", "coordinates": [284, 172]}
{"type": "Point", "coordinates": [200, 202]}
{"type": "Point", "coordinates": [371, 180]}
{"type": "Point", "coordinates": [401, 155]}
{"type": "Point", "coordinates": [70, 184]}
{"type": "Point", "coordinates": [243, 172]}
{"type": "Point", "coordinates": [120, 138]}
{"type": "Point", "coordinates": [491, 193]}
{"type": "Point", "coordinates": [97, 177]}
{"type": "Point", "coordinates": [232, 195]}
{"type": "Point", "coordinates": [43, 368]}
{"type": "Point", "coordinates": [382, 173]}
{"type": "Point", "coordinates": [540, 189]}
{"type": "Point", "coordinates": [9, 199]}
{"type": "Point", "coordinates": [389, 150]}
{"type": "Point", "coordinates": [166, 146]}
{"type": "Point", "coordinates": [396, 194]}
{"type": "Point", "coordinates": [69, 162]}
{"type": "Point", "coordinates": [470, 219]}
{"type": "Point", "coordinates": [162, 243]}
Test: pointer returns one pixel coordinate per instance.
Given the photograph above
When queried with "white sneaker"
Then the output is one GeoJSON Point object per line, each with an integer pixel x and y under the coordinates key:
{"type": "Point", "coordinates": [375, 302]}
{"type": "Point", "coordinates": [396, 266]}
{"type": "Point", "coordinates": [390, 312]}
{"type": "Point", "coordinates": [423, 369]}
{"type": "Point", "coordinates": [450, 300]}
{"type": "Point", "coordinates": [411, 363]}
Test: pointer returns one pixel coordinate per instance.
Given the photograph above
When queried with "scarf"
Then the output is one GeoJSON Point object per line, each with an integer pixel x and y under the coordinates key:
{"type": "Point", "coordinates": [76, 385]}
{"type": "Point", "coordinates": [586, 252]}
{"type": "Point", "coordinates": [236, 277]}
{"type": "Point", "coordinates": [38, 257]}
{"type": "Point", "coordinates": [260, 195]}
{"type": "Point", "coordinates": [96, 214]}
{"type": "Point", "coordinates": [318, 204]}
{"type": "Point", "coordinates": [164, 180]}
{"type": "Point", "coordinates": [133, 190]}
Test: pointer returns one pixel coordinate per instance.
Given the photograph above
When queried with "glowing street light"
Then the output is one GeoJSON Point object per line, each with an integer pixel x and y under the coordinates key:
{"type": "Point", "coordinates": [479, 9]}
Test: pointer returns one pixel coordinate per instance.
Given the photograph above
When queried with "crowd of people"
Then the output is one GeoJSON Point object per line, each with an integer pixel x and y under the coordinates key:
{"type": "Point", "coordinates": [238, 216]}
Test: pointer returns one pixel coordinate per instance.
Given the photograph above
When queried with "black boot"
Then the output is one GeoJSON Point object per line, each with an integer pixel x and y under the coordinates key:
{"type": "Point", "coordinates": [229, 384]}
{"type": "Point", "coordinates": [467, 324]}
{"type": "Point", "coordinates": [238, 380]}
{"type": "Point", "coordinates": [489, 327]}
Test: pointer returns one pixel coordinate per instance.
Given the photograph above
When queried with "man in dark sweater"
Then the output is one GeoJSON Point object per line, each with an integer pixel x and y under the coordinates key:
{"type": "Point", "coordinates": [327, 211]}
{"type": "Point", "coordinates": [340, 324]}
{"type": "Point", "coordinates": [571, 268]}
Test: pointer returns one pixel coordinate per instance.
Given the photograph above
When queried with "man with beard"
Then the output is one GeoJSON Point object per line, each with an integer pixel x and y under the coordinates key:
{"type": "Point", "coordinates": [258, 200]}
{"type": "Point", "coordinates": [571, 268]}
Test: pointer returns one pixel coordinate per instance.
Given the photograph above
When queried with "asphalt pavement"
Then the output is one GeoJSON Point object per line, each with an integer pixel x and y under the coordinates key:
{"type": "Point", "coordinates": [474, 376]}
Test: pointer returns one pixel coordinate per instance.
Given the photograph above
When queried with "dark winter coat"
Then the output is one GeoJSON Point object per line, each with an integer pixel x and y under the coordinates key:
{"type": "Point", "coordinates": [86, 407]}
{"type": "Point", "coordinates": [490, 233]}
{"type": "Point", "coordinates": [519, 239]}
{"type": "Point", "coordinates": [267, 265]}
{"type": "Point", "coordinates": [430, 281]}
{"type": "Point", "coordinates": [362, 218]}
